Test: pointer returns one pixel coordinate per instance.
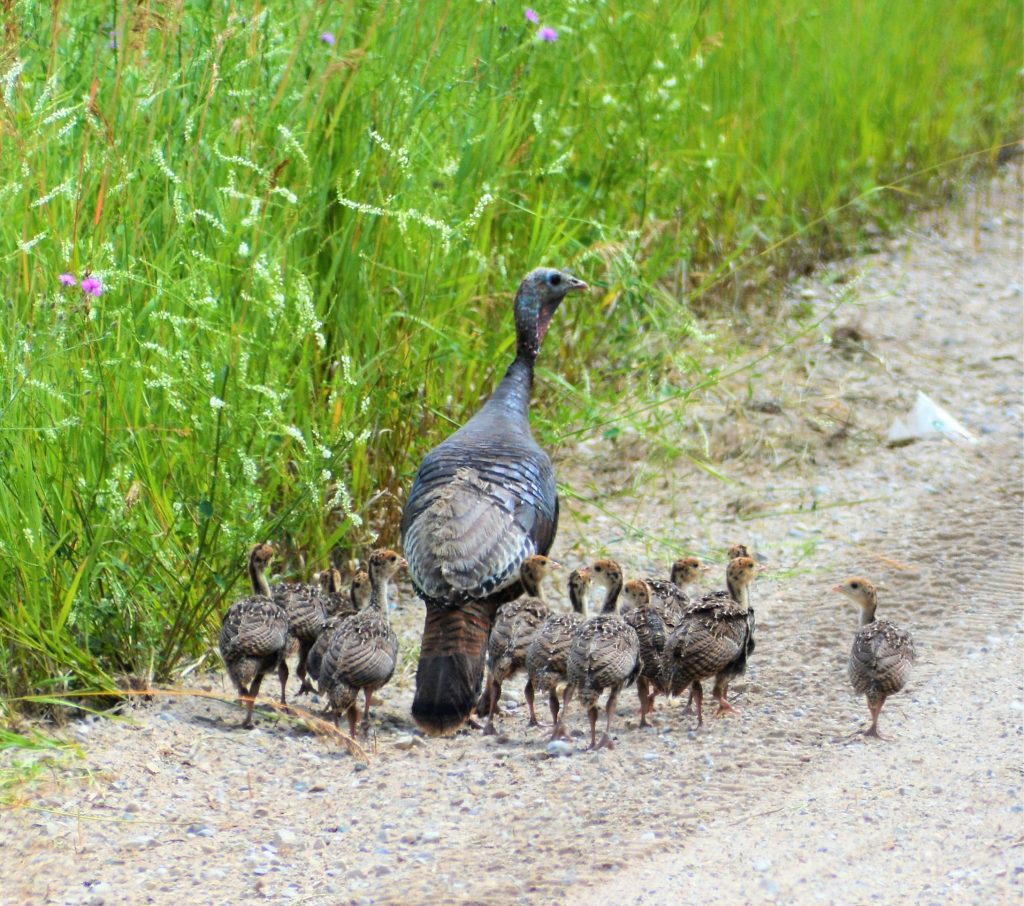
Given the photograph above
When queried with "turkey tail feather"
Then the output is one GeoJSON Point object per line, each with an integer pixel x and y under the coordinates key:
{"type": "Point", "coordinates": [451, 665]}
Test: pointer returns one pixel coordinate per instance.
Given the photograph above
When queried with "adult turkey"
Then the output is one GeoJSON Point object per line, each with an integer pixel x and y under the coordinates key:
{"type": "Point", "coordinates": [483, 501]}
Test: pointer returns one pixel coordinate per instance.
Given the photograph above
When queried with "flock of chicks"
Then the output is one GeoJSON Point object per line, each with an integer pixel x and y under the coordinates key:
{"type": "Point", "coordinates": [648, 630]}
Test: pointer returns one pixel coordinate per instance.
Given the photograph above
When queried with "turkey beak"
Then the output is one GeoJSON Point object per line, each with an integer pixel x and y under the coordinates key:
{"type": "Point", "coordinates": [576, 285]}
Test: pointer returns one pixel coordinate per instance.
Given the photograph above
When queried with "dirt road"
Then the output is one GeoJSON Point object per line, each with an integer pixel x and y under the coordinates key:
{"type": "Point", "coordinates": [782, 803]}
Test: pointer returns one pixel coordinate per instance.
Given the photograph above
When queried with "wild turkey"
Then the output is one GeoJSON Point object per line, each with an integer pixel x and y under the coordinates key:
{"type": "Point", "coordinates": [343, 602]}
{"type": "Point", "coordinates": [603, 654]}
{"type": "Point", "coordinates": [307, 611]}
{"type": "Point", "coordinates": [483, 501]}
{"type": "Point", "coordinates": [672, 594]}
{"type": "Point", "coordinates": [675, 596]}
{"type": "Point", "coordinates": [882, 652]}
{"type": "Point", "coordinates": [653, 621]}
{"type": "Point", "coordinates": [547, 656]}
{"type": "Point", "coordinates": [513, 630]}
{"type": "Point", "coordinates": [340, 607]}
{"type": "Point", "coordinates": [363, 650]}
{"type": "Point", "coordinates": [738, 550]}
{"type": "Point", "coordinates": [254, 634]}
{"type": "Point", "coordinates": [714, 638]}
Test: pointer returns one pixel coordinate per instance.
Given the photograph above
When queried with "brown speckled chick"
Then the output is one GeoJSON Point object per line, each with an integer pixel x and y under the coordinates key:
{"type": "Point", "coordinates": [548, 654]}
{"type": "Point", "coordinates": [604, 654]}
{"type": "Point", "coordinates": [306, 607]}
{"type": "Point", "coordinates": [715, 638]}
{"type": "Point", "coordinates": [340, 607]}
{"type": "Point", "coordinates": [254, 634]}
{"type": "Point", "coordinates": [882, 652]}
{"type": "Point", "coordinates": [513, 631]}
{"type": "Point", "coordinates": [362, 652]}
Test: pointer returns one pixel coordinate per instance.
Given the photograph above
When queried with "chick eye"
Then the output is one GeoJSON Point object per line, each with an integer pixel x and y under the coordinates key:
{"type": "Point", "coordinates": [555, 279]}
{"type": "Point", "coordinates": [855, 585]}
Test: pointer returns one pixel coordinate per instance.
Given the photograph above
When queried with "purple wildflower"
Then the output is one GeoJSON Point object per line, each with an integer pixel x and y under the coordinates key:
{"type": "Point", "coordinates": [547, 33]}
{"type": "Point", "coordinates": [328, 38]}
{"type": "Point", "coordinates": [532, 15]}
{"type": "Point", "coordinates": [92, 286]}
{"type": "Point", "coordinates": [68, 279]}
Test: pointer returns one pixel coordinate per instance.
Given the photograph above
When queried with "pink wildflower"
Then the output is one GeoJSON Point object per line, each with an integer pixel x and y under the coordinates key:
{"type": "Point", "coordinates": [532, 15]}
{"type": "Point", "coordinates": [328, 38]}
{"type": "Point", "coordinates": [547, 33]}
{"type": "Point", "coordinates": [92, 286]}
{"type": "Point", "coordinates": [68, 279]}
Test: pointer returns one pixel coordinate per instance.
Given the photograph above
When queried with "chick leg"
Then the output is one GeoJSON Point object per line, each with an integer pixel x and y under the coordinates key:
{"type": "Point", "coordinates": [528, 693]}
{"type": "Point", "coordinates": [606, 740]}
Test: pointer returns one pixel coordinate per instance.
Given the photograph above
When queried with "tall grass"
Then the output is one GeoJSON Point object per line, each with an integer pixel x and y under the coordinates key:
{"type": "Point", "coordinates": [307, 249]}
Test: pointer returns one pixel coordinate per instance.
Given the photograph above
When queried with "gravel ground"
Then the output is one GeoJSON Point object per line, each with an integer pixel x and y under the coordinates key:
{"type": "Point", "coordinates": [785, 802]}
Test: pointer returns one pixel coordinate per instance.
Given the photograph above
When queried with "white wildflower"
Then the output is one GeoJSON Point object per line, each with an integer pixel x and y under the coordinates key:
{"type": "Point", "coordinates": [296, 433]}
{"type": "Point", "coordinates": [29, 244]}
{"type": "Point", "coordinates": [161, 163]}
{"type": "Point", "coordinates": [10, 79]}
{"type": "Point", "coordinates": [292, 142]}
{"type": "Point", "coordinates": [217, 403]}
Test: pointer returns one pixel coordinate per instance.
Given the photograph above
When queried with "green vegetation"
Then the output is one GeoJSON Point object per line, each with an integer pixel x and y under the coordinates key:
{"type": "Point", "coordinates": [306, 251]}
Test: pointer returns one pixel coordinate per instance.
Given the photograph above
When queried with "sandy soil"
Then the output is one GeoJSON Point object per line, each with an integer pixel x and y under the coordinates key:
{"type": "Point", "coordinates": [785, 802]}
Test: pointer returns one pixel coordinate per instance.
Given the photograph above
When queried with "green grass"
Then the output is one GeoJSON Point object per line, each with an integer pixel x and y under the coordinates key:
{"type": "Point", "coordinates": [307, 254]}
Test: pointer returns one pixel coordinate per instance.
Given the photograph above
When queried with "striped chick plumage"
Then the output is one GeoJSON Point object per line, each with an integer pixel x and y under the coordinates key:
{"type": "Point", "coordinates": [882, 653]}
{"type": "Point", "coordinates": [547, 658]}
{"type": "Point", "coordinates": [363, 650]}
{"type": "Point", "coordinates": [603, 655]}
{"type": "Point", "coordinates": [714, 638]}
{"type": "Point", "coordinates": [514, 628]}
{"type": "Point", "coordinates": [254, 634]}
{"type": "Point", "coordinates": [340, 607]}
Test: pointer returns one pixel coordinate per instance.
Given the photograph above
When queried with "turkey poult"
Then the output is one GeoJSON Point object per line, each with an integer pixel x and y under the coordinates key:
{"type": "Point", "coordinates": [340, 607]}
{"type": "Point", "coordinates": [672, 594]}
{"type": "Point", "coordinates": [362, 651]}
{"type": "Point", "coordinates": [483, 501]}
{"type": "Point", "coordinates": [653, 622]}
{"type": "Point", "coordinates": [882, 652]}
{"type": "Point", "coordinates": [306, 607]}
{"type": "Point", "coordinates": [714, 638]}
{"type": "Point", "coordinates": [603, 654]}
{"type": "Point", "coordinates": [547, 656]}
{"type": "Point", "coordinates": [254, 634]}
{"type": "Point", "coordinates": [513, 631]}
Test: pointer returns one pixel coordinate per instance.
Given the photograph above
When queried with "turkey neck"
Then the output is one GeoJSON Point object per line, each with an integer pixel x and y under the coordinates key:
{"type": "Point", "coordinates": [511, 398]}
{"type": "Point", "coordinates": [260, 585]}
{"type": "Point", "coordinates": [378, 593]}
{"type": "Point", "coordinates": [739, 593]}
{"type": "Point", "coordinates": [611, 598]}
{"type": "Point", "coordinates": [532, 584]}
{"type": "Point", "coordinates": [867, 611]}
{"type": "Point", "coordinates": [578, 600]}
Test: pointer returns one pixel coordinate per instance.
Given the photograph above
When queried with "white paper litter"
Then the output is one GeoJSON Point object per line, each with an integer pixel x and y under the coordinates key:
{"type": "Point", "coordinates": [927, 419]}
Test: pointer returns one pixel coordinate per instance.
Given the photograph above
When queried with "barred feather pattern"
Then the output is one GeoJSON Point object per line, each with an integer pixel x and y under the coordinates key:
{"type": "Point", "coordinates": [513, 631]}
{"type": "Point", "coordinates": [363, 650]}
{"type": "Point", "coordinates": [254, 633]}
{"type": "Point", "coordinates": [669, 597]}
{"type": "Point", "coordinates": [547, 658]}
{"type": "Point", "coordinates": [604, 654]}
{"type": "Point", "coordinates": [306, 607]}
{"type": "Point", "coordinates": [713, 635]}
{"type": "Point", "coordinates": [653, 623]}
{"type": "Point", "coordinates": [340, 608]}
{"type": "Point", "coordinates": [881, 659]}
